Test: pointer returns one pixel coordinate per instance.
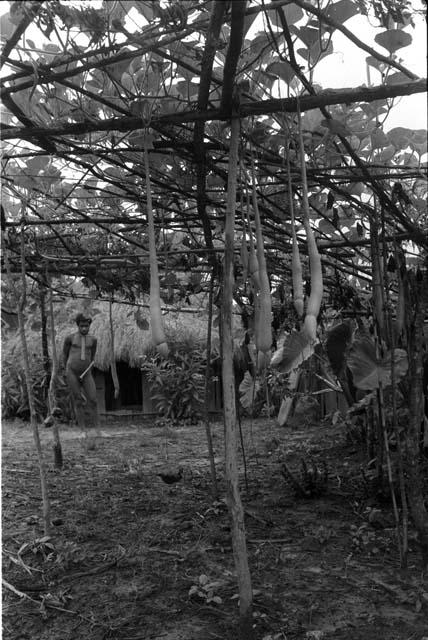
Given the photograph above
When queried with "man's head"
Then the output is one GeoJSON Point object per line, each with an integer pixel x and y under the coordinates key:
{"type": "Point", "coordinates": [83, 322]}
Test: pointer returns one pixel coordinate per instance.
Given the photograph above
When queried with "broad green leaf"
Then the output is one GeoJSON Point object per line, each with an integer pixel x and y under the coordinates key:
{"type": "Point", "coordinates": [187, 89]}
{"type": "Point", "coordinates": [397, 78]}
{"type": "Point", "coordinates": [375, 108]}
{"type": "Point", "coordinates": [337, 127]}
{"type": "Point", "coordinates": [169, 105]}
{"type": "Point", "coordinates": [282, 70]}
{"type": "Point", "coordinates": [7, 27]}
{"type": "Point", "coordinates": [248, 390]}
{"type": "Point", "coordinates": [308, 35]}
{"type": "Point", "coordinates": [343, 10]}
{"type": "Point", "coordinates": [399, 137]}
{"type": "Point", "coordinates": [36, 164]}
{"type": "Point", "coordinates": [356, 188]}
{"type": "Point", "coordinates": [419, 141]}
{"type": "Point", "coordinates": [327, 227]}
{"type": "Point", "coordinates": [377, 64]}
{"type": "Point", "coordinates": [51, 51]}
{"type": "Point", "coordinates": [248, 21]}
{"type": "Point", "coordinates": [386, 154]}
{"type": "Point", "coordinates": [311, 120]}
{"type": "Point", "coordinates": [295, 349]}
{"type": "Point", "coordinates": [292, 12]}
{"type": "Point", "coordinates": [368, 371]}
{"type": "Point", "coordinates": [146, 9]}
{"type": "Point", "coordinates": [378, 139]}
{"type": "Point", "coordinates": [393, 39]}
{"type": "Point", "coordinates": [317, 51]}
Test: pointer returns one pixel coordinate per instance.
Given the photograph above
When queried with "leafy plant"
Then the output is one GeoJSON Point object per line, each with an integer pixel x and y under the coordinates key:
{"type": "Point", "coordinates": [14, 390]}
{"type": "Point", "coordinates": [40, 546]}
{"type": "Point", "coordinates": [177, 385]}
{"type": "Point", "coordinates": [368, 370]}
{"type": "Point", "coordinates": [205, 590]}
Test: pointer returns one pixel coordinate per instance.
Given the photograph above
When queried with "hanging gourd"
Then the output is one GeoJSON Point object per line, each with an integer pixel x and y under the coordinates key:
{"type": "Point", "coordinates": [156, 321]}
{"type": "Point", "coordinates": [244, 251]}
{"type": "Point", "coordinates": [315, 298]}
{"type": "Point", "coordinates": [296, 264]}
{"type": "Point", "coordinates": [113, 367]}
{"type": "Point", "coordinates": [253, 263]}
{"type": "Point", "coordinates": [262, 300]}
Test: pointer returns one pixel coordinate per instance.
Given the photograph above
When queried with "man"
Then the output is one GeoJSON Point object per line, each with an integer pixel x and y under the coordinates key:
{"type": "Point", "coordinates": [79, 353]}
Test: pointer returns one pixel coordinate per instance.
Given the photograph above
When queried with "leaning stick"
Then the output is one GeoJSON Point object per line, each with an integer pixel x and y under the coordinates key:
{"type": "Point", "coordinates": [86, 370]}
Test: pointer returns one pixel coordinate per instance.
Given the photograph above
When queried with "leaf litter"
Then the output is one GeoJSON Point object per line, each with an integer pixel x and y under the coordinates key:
{"type": "Point", "coordinates": [132, 558]}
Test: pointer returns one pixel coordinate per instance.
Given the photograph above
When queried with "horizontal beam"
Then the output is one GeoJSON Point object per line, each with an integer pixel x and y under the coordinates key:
{"type": "Point", "coordinates": [263, 107]}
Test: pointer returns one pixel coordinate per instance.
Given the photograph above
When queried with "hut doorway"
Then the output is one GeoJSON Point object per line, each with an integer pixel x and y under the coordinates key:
{"type": "Point", "coordinates": [131, 393]}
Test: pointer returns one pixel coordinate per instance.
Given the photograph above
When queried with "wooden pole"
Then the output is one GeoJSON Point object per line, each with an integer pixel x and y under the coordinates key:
{"type": "Point", "coordinates": [52, 401]}
{"type": "Point", "coordinates": [20, 299]}
{"type": "Point", "coordinates": [229, 409]}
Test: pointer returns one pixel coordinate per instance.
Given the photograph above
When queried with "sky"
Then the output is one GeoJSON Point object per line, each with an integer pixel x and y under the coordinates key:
{"type": "Point", "coordinates": [346, 67]}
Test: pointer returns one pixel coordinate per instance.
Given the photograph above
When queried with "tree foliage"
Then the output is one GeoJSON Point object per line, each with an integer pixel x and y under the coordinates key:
{"type": "Point", "coordinates": [97, 79]}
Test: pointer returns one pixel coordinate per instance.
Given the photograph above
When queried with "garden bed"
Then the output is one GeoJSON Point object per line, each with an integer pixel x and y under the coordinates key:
{"type": "Point", "coordinates": [133, 558]}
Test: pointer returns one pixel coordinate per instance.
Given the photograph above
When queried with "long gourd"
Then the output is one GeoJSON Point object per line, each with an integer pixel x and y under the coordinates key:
{"type": "Point", "coordinates": [156, 322]}
{"type": "Point", "coordinates": [244, 251]}
{"type": "Point", "coordinates": [315, 298]}
{"type": "Point", "coordinates": [263, 301]}
{"type": "Point", "coordinates": [253, 263]}
{"type": "Point", "coordinates": [296, 264]}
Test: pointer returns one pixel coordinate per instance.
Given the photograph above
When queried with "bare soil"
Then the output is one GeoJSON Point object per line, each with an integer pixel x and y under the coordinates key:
{"type": "Point", "coordinates": [126, 549]}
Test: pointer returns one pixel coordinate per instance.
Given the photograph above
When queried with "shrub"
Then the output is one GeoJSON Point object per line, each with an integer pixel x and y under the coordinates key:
{"type": "Point", "coordinates": [177, 384]}
{"type": "Point", "coordinates": [14, 394]}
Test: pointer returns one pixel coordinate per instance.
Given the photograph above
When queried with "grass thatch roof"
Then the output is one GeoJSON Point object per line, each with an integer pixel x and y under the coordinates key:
{"type": "Point", "coordinates": [131, 342]}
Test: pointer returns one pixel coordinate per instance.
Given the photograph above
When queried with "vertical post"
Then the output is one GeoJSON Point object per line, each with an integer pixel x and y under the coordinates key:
{"type": "Point", "coordinates": [229, 411]}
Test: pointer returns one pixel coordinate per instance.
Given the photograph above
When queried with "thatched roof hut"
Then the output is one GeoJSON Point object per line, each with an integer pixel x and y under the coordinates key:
{"type": "Point", "coordinates": [130, 340]}
{"type": "Point", "coordinates": [131, 324]}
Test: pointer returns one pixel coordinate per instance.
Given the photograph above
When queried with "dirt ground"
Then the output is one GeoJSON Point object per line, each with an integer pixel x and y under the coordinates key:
{"type": "Point", "coordinates": [131, 558]}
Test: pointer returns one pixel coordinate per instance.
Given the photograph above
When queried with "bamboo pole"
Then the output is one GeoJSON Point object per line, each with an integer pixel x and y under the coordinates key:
{"type": "Point", "coordinates": [20, 300]}
{"type": "Point", "coordinates": [52, 401]}
{"type": "Point", "coordinates": [230, 420]}
{"type": "Point", "coordinates": [207, 388]}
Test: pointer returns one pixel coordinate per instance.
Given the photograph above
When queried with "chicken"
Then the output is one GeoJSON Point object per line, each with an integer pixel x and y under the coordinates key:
{"type": "Point", "coordinates": [170, 476]}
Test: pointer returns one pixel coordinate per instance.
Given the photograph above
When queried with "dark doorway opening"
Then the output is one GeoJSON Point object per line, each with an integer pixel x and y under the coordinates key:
{"type": "Point", "coordinates": [131, 395]}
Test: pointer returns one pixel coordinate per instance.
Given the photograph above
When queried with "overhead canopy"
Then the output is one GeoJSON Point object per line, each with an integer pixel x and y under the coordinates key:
{"type": "Point", "coordinates": [87, 86]}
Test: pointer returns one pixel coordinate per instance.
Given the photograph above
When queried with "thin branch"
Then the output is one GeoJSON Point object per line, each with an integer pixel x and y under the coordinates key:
{"type": "Point", "coordinates": [323, 17]}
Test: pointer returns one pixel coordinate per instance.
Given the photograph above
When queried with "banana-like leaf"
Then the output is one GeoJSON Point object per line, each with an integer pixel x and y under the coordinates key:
{"type": "Point", "coordinates": [248, 390]}
{"type": "Point", "coordinates": [368, 371]}
{"type": "Point", "coordinates": [295, 349]}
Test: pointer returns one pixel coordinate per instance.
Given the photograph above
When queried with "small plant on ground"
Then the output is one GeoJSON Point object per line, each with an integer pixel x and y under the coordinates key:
{"type": "Point", "coordinates": [205, 590]}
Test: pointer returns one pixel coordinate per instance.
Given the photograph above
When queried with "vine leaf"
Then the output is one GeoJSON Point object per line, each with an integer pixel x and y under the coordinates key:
{"type": "Point", "coordinates": [393, 39]}
{"type": "Point", "coordinates": [337, 127]}
{"type": "Point", "coordinates": [293, 13]}
{"type": "Point", "coordinates": [397, 78]}
{"type": "Point", "coordinates": [282, 70]}
{"type": "Point", "coordinates": [378, 139]}
{"type": "Point", "coordinates": [377, 64]}
{"type": "Point", "coordinates": [369, 371]}
{"type": "Point", "coordinates": [343, 10]}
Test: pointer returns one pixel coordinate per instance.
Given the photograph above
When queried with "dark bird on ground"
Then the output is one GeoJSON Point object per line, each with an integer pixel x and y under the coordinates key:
{"type": "Point", "coordinates": [170, 477]}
